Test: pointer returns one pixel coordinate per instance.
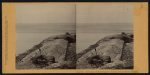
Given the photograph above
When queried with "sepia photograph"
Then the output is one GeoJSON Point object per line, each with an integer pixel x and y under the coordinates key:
{"type": "Point", "coordinates": [104, 36]}
{"type": "Point", "coordinates": [46, 36]}
{"type": "Point", "coordinates": [75, 37]}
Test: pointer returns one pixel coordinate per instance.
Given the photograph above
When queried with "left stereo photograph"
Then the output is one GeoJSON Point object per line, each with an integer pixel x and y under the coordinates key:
{"type": "Point", "coordinates": [45, 36]}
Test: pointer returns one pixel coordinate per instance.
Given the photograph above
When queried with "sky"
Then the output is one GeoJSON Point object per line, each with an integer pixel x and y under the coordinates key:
{"type": "Point", "coordinates": [104, 13]}
{"type": "Point", "coordinates": [45, 13]}
{"type": "Point", "coordinates": [45, 18]}
{"type": "Point", "coordinates": [63, 17]}
{"type": "Point", "coordinates": [104, 18]}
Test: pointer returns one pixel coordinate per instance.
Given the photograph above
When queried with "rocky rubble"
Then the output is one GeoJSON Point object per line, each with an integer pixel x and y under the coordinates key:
{"type": "Point", "coordinates": [117, 48]}
{"type": "Point", "coordinates": [110, 52]}
{"type": "Point", "coordinates": [53, 52]}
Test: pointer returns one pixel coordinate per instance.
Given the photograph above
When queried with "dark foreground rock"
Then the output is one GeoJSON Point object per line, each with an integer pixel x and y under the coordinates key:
{"type": "Point", "coordinates": [59, 52]}
{"type": "Point", "coordinates": [53, 52]}
{"type": "Point", "coordinates": [117, 48]}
